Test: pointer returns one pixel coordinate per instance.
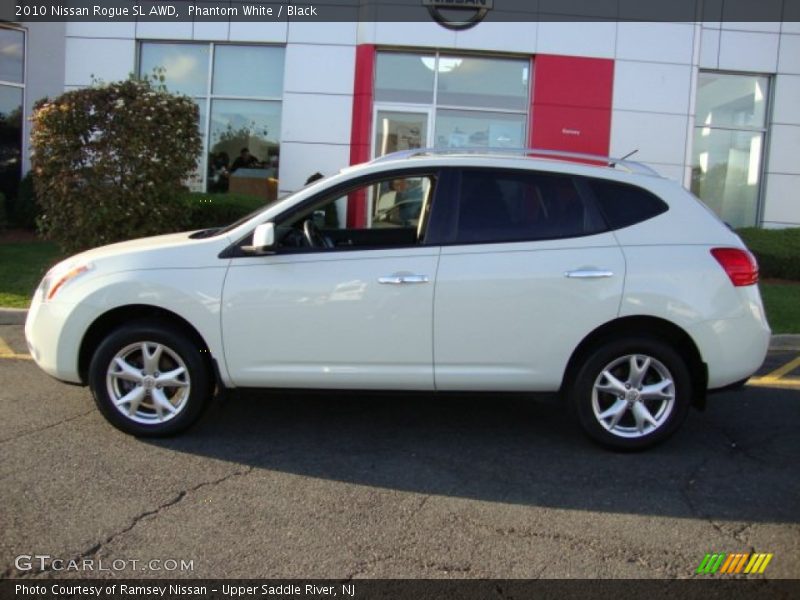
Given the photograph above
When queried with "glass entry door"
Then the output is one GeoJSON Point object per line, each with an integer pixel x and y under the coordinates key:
{"type": "Point", "coordinates": [397, 130]}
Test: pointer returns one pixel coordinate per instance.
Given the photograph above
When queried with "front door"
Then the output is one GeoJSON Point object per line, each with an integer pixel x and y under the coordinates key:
{"type": "Point", "coordinates": [349, 308]}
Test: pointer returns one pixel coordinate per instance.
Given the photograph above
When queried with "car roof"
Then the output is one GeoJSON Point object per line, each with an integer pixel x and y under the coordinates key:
{"type": "Point", "coordinates": [528, 154]}
{"type": "Point", "coordinates": [526, 159]}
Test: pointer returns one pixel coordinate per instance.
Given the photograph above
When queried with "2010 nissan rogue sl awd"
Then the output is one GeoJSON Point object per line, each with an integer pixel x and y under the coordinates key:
{"type": "Point", "coordinates": [422, 271]}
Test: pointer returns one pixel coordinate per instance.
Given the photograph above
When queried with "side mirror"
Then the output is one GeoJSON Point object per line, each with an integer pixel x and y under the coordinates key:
{"type": "Point", "coordinates": [263, 240]}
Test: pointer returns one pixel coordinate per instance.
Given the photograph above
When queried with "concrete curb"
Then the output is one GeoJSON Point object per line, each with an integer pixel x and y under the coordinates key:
{"type": "Point", "coordinates": [12, 316]}
{"type": "Point", "coordinates": [785, 342]}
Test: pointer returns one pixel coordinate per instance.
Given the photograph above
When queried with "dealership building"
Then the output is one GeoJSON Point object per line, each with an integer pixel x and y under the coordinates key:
{"type": "Point", "coordinates": [713, 105]}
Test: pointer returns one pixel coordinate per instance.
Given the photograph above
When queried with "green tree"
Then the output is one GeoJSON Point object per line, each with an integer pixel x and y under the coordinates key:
{"type": "Point", "coordinates": [109, 160]}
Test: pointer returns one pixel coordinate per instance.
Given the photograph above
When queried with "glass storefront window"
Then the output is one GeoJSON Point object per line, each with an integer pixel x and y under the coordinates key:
{"type": "Point", "coordinates": [478, 129]}
{"type": "Point", "coordinates": [450, 101]}
{"type": "Point", "coordinates": [237, 89]}
{"type": "Point", "coordinates": [12, 55]}
{"type": "Point", "coordinates": [185, 66]}
{"type": "Point", "coordinates": [727, 173]}
{"type": "Point", "coordinates": [12, 89]}
{"type": "Point", "coordinates": [10, 139]}
{"type": "Point", "coordinates": [731, 100]}
{"type": "Point", "coordinates": [263, 66]}
{"type": "Point", "coordinates": [483, 83]}
{"type": "Point", "coordinates": [240, 124]}
{"type": "Point", "coordinates": [727, 153]}
{"type": "Point", "coordinates": [404, 77]}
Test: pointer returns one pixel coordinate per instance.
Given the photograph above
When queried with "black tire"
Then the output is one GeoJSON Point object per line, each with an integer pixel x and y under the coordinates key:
{"type": "Point", "coordinates": [176, 347]}
{"type": "Point", "coordinates": [665, 365]}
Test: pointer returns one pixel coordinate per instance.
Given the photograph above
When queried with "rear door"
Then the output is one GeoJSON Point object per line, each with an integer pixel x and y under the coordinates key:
{"type": "Point", "coordinates": [526, 272]}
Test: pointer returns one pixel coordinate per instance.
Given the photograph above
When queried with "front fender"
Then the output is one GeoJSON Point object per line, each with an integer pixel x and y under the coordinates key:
{"type": "Point", "coordinates": [195, 295]}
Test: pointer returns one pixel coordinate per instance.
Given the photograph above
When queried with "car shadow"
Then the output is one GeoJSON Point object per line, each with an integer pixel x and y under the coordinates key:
{"type": "Point", "coordinates": [736, 461]}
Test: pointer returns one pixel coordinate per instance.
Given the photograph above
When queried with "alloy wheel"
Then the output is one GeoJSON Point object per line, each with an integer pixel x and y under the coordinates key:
{"type": "Point", "coordinates": [148, 382]}
{"type": "Point", "coordinates": [633, 396]}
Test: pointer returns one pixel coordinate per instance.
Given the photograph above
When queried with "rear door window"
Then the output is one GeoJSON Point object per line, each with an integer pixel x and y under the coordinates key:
{"type": "Point", "coordinates": [505, 206]}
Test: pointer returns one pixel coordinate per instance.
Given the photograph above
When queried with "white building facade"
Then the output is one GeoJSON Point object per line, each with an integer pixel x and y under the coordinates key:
{"type": "Point", "coordinates": [715, 106]}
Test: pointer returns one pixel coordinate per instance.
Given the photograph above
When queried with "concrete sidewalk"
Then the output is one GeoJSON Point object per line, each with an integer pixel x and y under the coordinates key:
{"type": "Point", "coordinates": [780, 342]}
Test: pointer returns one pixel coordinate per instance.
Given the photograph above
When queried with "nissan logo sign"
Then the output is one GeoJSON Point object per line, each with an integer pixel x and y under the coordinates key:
{"type": "Point", "coordinates": [438, 8]}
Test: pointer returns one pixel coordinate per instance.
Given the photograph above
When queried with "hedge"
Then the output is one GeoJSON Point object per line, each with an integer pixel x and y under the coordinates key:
{"type": "Point", "coordinates": [105, 157]}
{"type": "Point", "coordinates": [204, 211]}
{"type": "Point", "coordinates": [777, 251]}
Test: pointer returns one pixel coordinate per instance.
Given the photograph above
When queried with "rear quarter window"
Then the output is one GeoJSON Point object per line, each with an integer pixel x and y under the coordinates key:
{"type": "Point", "coordinates": [623, 204]}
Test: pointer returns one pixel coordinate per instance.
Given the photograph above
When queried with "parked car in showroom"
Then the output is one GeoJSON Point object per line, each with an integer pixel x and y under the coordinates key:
{"type": "Point", "coordinates": [521, 272]}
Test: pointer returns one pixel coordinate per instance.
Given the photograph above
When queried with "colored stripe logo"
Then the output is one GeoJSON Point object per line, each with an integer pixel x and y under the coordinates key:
{"type": "Point", "coordinates": [734, 563]}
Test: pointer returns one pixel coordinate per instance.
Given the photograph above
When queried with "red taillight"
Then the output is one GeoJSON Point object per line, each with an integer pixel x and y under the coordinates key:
{"type": "Point", "coordinates": [740, 265]}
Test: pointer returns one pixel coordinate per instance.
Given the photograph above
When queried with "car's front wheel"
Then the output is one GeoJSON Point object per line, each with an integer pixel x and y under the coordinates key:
{"type": "Point", "coordinates": [632, 393]}
{"type": "Point", "coordinates": [149, 379]}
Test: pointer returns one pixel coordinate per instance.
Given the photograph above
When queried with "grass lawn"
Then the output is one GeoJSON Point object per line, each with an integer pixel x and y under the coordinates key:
{"type": "Point", "coordinates": [22, 265]}
{"type": "Point", "coordinates": [782, 303]}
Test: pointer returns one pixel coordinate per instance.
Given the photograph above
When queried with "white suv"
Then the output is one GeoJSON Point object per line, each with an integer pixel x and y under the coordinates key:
{"type": "Point", "coordinates": [424, 271]}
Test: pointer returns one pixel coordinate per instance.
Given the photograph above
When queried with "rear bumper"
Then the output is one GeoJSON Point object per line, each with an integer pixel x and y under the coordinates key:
{"type": "Point", "coordinates": [733, 349]}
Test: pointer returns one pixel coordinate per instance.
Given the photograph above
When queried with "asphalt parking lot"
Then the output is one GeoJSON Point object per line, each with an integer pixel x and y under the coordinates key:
{"type": "Point", "coordinates": [288, 485]}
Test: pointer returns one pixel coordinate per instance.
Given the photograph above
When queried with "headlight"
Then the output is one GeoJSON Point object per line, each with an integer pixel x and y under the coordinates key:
{"type": "Point", "coordinates": [59, 276]}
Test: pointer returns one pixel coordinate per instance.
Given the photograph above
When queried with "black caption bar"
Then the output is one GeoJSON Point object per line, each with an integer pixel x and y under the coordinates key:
{"type": "Point", "coordinates": [401, 10]}
{"type": "Point", "coordinates": [398, 589]}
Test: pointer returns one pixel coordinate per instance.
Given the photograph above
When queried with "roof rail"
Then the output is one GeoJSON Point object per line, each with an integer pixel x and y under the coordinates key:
{"type": "Point", "coordinates": [629, 165]}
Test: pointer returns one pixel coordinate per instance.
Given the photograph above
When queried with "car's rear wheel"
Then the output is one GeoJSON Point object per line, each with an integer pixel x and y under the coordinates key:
{"type": "Point", "coordinates": [632, 393]}
{"type": "Point", "coordinates": [149, 379]}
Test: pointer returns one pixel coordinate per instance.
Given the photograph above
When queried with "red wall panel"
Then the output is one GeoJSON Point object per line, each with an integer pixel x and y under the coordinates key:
{"type": "Point", "coordinates": [573, 129]}
{"type": "Point", "coordinates": [362, 127]}
{"type": "Point", "coordinates": [571, 103]}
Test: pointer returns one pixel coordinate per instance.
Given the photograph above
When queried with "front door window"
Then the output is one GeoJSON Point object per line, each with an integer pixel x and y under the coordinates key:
{"type": "Point", "coordinates": [401, 200]}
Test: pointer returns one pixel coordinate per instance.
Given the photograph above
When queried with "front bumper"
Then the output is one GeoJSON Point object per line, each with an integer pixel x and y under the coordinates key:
{"type": "Point", "coordinates": [54, 331]}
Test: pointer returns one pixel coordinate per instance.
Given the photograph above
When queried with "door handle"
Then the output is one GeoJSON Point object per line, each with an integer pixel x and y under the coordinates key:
{"type": "Point", "coordinates": [588, 274]}
{"type": "Point", "coordinates": [399, 279]}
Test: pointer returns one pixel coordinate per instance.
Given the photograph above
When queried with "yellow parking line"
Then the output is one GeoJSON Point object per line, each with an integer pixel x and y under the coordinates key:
{"type": "Point", "coordinates": [787, 368]}
{"type": "Point", "coordinates": [6, 352]}
{"type": "Point", "coordinates": [775, 383]}
{"type": "Point", "coordinates": [776, 377]}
